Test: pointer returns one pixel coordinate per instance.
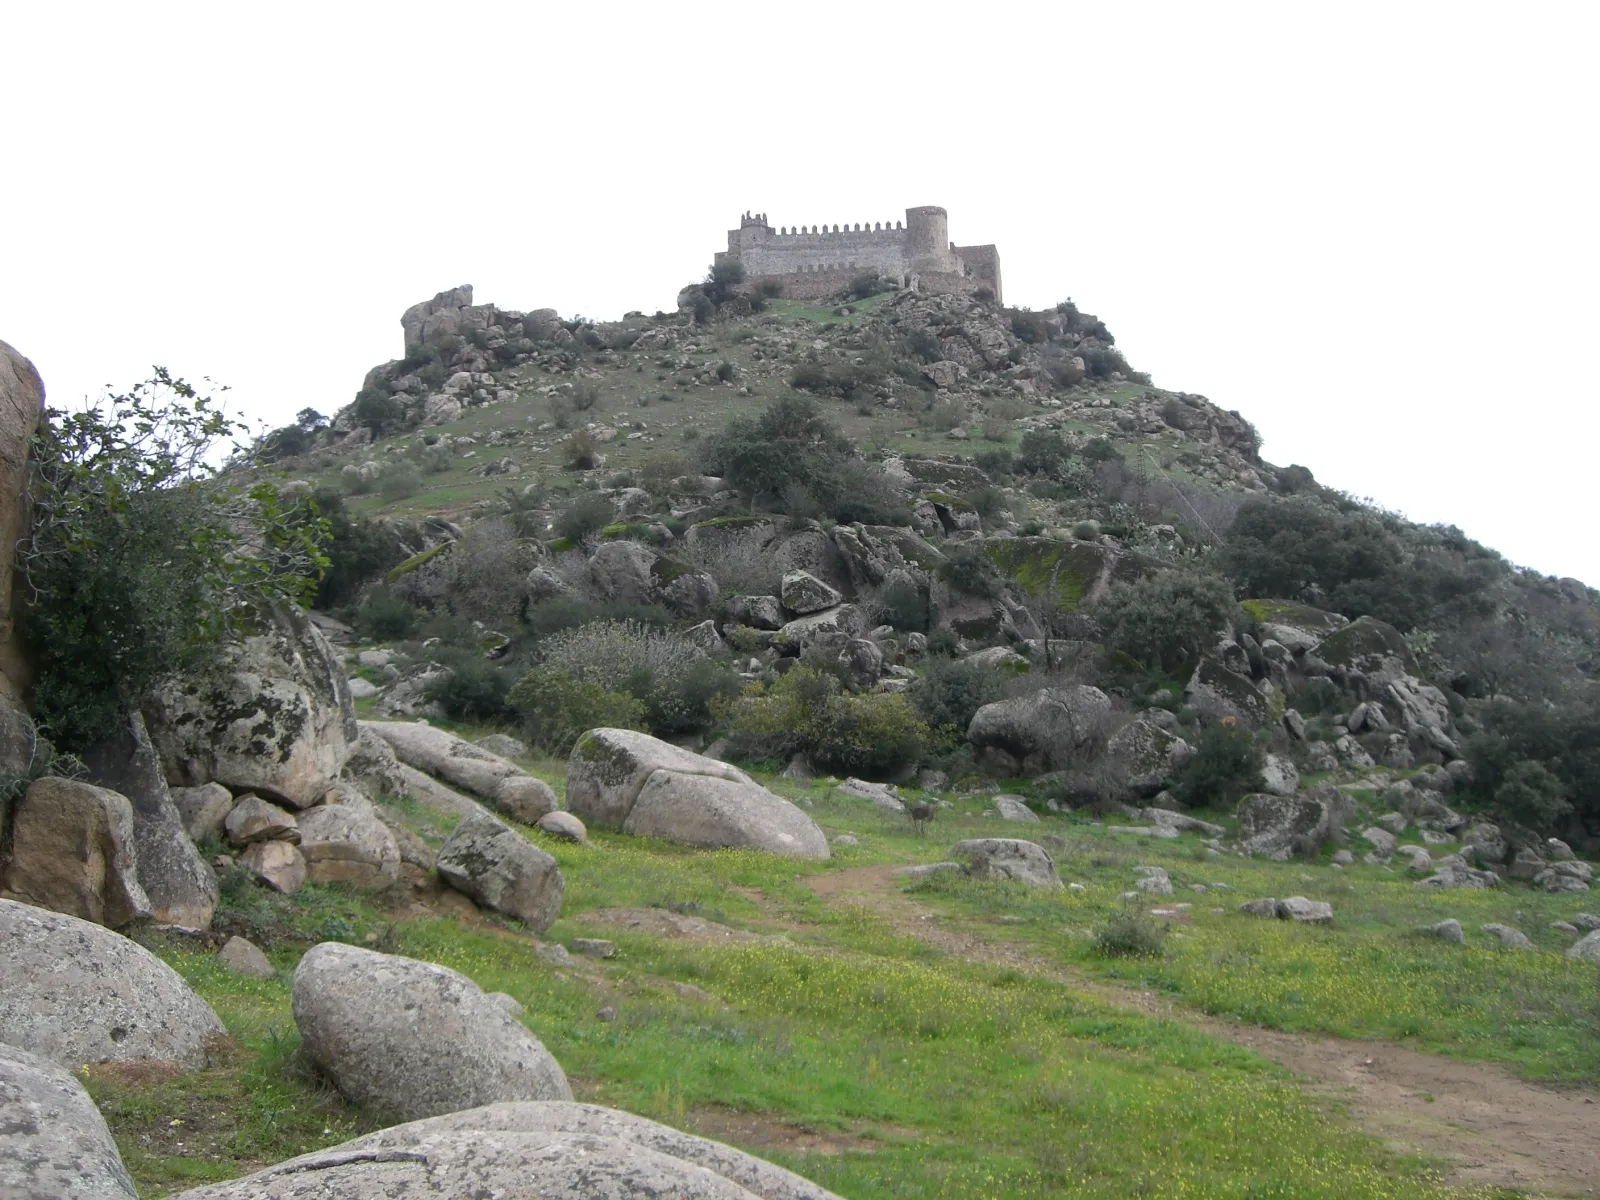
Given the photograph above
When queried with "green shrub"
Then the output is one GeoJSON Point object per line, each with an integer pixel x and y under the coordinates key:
{"type": "Point", "coordinates": [1028, 327]}
{"type": "Point", "coordinates": [580, 452]}
{"type": "Point", "coordinates": [1132, 933]}
{"type": "Point", "coordinates": [1044, 452]}
{"type": "Point", "coordinates": [399, 483]}
{"type": "Point", "coordinates": [584, 517]}
{"type": "Point", "coordinates": [1530, 794]}
{"type": "Point", "coordinates": [969, 571]}
{"type": "Point", "coordinates": [1226, 764]}
{"type": "Point", "coordinates": [472, 689]}
{"type": "Point", "coordinates": [671, 678]}
{"type": "Point", "coordinates": [1099, 450]}
{"type": "Point", "coordinates": [385, 617]}
{"type": "Point", "coordinates": [358, 550]}
{"type": "Point", "coordinates": [951, 690]}
{"type": "Point", "coordinates": [1164, 620]}
{"type": "Point", "coordinates": [903, 604]}
{"type": "Point", "coordinates": [995, 462]}
{"type": "Point", "coordinates": [924, 345]}
{"type": "Point", "coordinates": [557, 709]}
{"type": "Point", "coordinates": [807, 711]}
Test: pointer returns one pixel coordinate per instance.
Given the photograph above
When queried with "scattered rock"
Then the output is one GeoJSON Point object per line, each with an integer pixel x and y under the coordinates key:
{"type": "Point", "coordinates": [1571, 876]}
{"type": "Point", "coordinates": [1311, 912]}
{"type": "Point", "coordinates": [1007, 859]}
{"type": "Point", "coordinates": [1510, 938]}
{"type": "Point", "coordinates": [77, 993]}
{"type": "Point", "coordinates": [1588, 948]}
{"type": "Point", "coordinates": [925, 870]}
{"type": "Point", "coordinates": [1044, 731]}
{"type": "Point", "coordinates": [1277, 827]}
{"type": "Point", "coordinates": [413, 1039]}
{"type": "Point", "coordinates": [1558, 851]}
{"type": "Point", "coordinates": [279, 865]}
{"type": "Point", "coordinates": [562, 1151]}
{"type": "Point", "coordinates": [1343, 858]}
{"type": "Point", "coordinates": [846, 839]}
{"type": "Point", "coordinates": [53, 1141]}
{"type": "Point", "coordinates": [344, 841]}
{"type": "Point", "coordinates": [1586, 921]}
{"type": "Point", "coordinates": [563, 824]}
{"type": "Point", "coordinates": [253, 819]}
{"type": "Point", "coordinates": [506, 786]}
{"type": "Point", "coordinates": [1015, 808]}
{"type": "Point", "coordinates": [202, 809]}
{"type": "Point", "coordinates": [804, 593]}
{"type": "Point", "coordinates": [594, 947]}
{"type": "Point", "coordinates": [500, 869]}
{"type": "Point", "coordinates": [645, 787]}
{"type": "Point", "coordinates": [884, 795]}
{"type": "Point", "coordinates": [1453, 873]}
{"type": "Point", "coordinates": [360, 689]}
{"type": "Point", "coordinates": [1447, 930]}
{"type": "Point", "coordinates": [504, 745]}
{"type": "Point", "coordinates": [72, 851]}
{"type": "Point", "coordinates": [244, 957]}
{"type": "Point", "coordinates": [1266, 907]}
{"type": "Point", "coordinates": [1278, 776]}
{"type": "Point", "coordinates": [1381, 839]}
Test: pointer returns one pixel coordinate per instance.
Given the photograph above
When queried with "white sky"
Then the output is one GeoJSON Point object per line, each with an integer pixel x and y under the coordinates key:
{"type": "Point", "coordinates": [1371, 228]}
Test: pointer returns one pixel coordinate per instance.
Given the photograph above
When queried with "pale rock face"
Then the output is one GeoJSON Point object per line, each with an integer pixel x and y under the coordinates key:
{"type": "Point", "coordinates": [1586, 948]}
{"type": "Point", "coordinates": [272, 716]}
{"type": "Point", "coordinates": [758, 612]}
{"type": "Point", "coordinates": [244, 957]}
{"type": "Point", "coordinates": [1510, 938]}
{"type": "Point", "coordinates": [278, 865]}
{"type": "Point", "coordinates": [1448, 931]}
{"type": "Point", "coordinates": [1042, 731]}
{"type": "Point", "coordinates": [640, 785]}
{"type": "Point", "coordinates": [1007, 859]}
{"type": "Point", "coordinates": [21, 403]}
{"type": "Point", "coordinates": [1015, 808]}
{"type": "Point", "coordinates": [1279, 777]}
{"type": "Point", "coordinates": [564, 825]}
{"type": "Point", "coordinates": [253, 819]}
{"type": "Point", "coordinates": [803, 593]}
{"type": "Point", "coordinates": [1303, 911]}
{"type": "Point", "coordinates": [506, 786]}
{"type": "Point", "coordinates": [72, 851]}
{"type": "Point", "coordinates": [345, 842]}
{"type": "Point", "coordinates": [552, 1149]}
{"type": "Point", "coordinates": [413, 1039]}
{"type": "Point", "coordinates": [202, 809]}
{"type": "Point", "coordinates": [76, 993]}
{"type": "Point", "coordinates": [500, 869]}
{"type": "Point", "coordinates": [1278, 827]}
{"type": "Point", "coordinates": [53, 1140]}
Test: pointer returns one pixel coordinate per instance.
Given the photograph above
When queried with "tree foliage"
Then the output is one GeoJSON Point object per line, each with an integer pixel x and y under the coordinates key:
{"type": "Point", "coordinates": [1164, 620]}
{"type": "Point", "coordinates": [139, 556]}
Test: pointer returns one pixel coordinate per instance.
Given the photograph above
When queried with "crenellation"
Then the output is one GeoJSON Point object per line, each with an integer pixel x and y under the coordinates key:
{"type": "Point", "coordinates": [801, 260]}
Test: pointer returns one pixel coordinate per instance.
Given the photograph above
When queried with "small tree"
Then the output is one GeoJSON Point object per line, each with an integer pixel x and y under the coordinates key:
{"type": "Point", "coordinates": [140, 556]}
{"type": "Point", "coordinates": [1164, 620]}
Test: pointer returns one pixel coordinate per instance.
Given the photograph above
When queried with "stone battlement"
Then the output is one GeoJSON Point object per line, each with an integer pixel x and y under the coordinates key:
{"type": "Point", "coordinates": [806, 262]}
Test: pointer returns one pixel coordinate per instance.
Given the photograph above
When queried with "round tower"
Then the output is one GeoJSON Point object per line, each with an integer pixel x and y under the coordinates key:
{"type": "Point", "coordinates": [928, 238]}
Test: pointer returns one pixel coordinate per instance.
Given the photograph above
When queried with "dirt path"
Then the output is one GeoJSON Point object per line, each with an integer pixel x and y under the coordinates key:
{"type": "Point", "coordinates": [1488, 1127]}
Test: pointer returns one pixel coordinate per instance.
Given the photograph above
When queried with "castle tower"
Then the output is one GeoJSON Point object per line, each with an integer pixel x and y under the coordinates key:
{"type": "Point", "coordinates": [928, 238]}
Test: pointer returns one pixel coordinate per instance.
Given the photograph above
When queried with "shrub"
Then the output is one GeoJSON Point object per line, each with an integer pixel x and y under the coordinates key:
{"type": "Point", "coordinates": [865, 284]}
{"type": "Point", "coordinates": [138, 558]}
{"type": "Point", "coordinates": [726, 371]}
{"type": "Point", "coordinates": [1132, 933]}
{"type": "Point", "coordinates": [673, 681]}
{"type": "Point", "coordinates": [988, 502]}
{"type": "Point", "coordinates": [584, 517]}
{"type": "Point", "coordinates": [580, 452]}
{"type": "Point", "coordinates": [357, 550]}
{"type": "Point", "coordinates": [924, 345]}
{"type": "Point", "coordinates": [557, 709]}
{"type": "Point", "coordinates": [807, 711]}
{"type": "Point", "coordinates": [1530, 794]}
{"type": "Point", "coordinates": [942, 416]}
{"type": "Point", "coordinates": [968, 570]}
{"type": "Point", "coordinates": [995, 462]}
{"type": "Point", "coordinates": [996, 429]}
{"type": "Point", "coordinates": [1100, 450]}
{"type": "Point", "coordinates": [951, 690]}
{"type": "Point", "coordinates": [399, 483]}
{"type": "Point", "coordinates": [471, 689]}
{"type": "Point", "coordinates": [1028, 327]}
{"type": "Point", "coordinates": [1103, 362]}
{"type": "Point", "coordinates": [901, 603]}
{"type": "Point", "coordinates": [384, 617]}
{"type": "Point", "coordinates": [1163, 620]}
{"type": "Point", "coordinates": [1225, 765]}
{"type": "Point", "coordinates": [1044, 452]}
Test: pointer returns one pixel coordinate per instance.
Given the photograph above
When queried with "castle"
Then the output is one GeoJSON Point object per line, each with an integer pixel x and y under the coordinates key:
{"type": "Point", "coordinates": [810, 263]}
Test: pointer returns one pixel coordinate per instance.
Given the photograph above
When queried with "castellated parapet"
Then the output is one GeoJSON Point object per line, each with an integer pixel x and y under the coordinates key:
{"type": "Point", "coordinates": [809, 262]}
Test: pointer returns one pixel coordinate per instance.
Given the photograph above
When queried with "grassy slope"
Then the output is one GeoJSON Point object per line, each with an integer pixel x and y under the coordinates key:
{"type": "Point", "coordinates": [930, 1076]}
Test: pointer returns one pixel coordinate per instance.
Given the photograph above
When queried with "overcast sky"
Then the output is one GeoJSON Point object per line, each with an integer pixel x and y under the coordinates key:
{"type": "Point", "coordinates": [1370, 228]}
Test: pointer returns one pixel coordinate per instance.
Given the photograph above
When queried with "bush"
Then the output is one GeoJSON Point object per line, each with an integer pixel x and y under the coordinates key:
{"type": "Point", "coordinates": [1164, 620]}
{"type": "Point", "coordinates": [951, 691]}
{"type": "Point", "coordinates": [138, 558]}
{"type": "Point", "coordinates": [995, 462]}
{"type": "Point", "coordinates": [580, 452]}
{"type": "Point", "coordinates": [557, 709]}
{"type": "Point", "coordinates": [471, 689]}
{"type": "Point", "coordinates": [942, 416]}
{"type": "Point", "coordinates": [1530, 794]}
{"type": "Point", "coordinates": [865, 284]}
{"type": "Point", "coordinates": [806, 711]}
{"type": "Point", "coordinates": [1226, 764]}
{"type": "Point", "coordinates": [901, 603]}
{"type": "Point", "coordinates": [1044, 452]}
{"type": "Point", "coordinates": [969, 571]}
{"type": "Point", "coordinates": [673, 681]}
{"type": "Point", "coordinates": [399, 483]}
{"type": "Point", "coordinates": [924, 345]}
{"type": "Point", "coordinates": [1132, 933]}
{"type": "Point", "coordinates": [1102, 363]}
{"type": "Point", "coordinates": [384, 617]}
{"type": "Point", "coordinates": [1028, 327]}
{"type": "Point", "coordinates": [584, 517]}
{"type": "Point", "coordinates": [357, 550]}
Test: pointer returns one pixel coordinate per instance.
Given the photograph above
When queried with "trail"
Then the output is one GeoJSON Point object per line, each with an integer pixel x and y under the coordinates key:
{"type": "Point", "coordinates": [1484, 1125]}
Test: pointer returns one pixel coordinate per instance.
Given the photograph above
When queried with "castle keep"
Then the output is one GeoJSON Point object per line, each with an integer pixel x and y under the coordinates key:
{"type": "Point", "coordinates": [808, 263]}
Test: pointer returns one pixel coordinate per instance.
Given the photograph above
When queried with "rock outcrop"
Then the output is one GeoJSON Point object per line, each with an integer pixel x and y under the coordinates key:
{"type": "Point", "coordinates": [77, 993]}
{"type": "Point", "coordinates": [72, 851]}
{"type": "Point", "coordinates": [554, 1150]}
{"type": "Point", "coordinates": [499, 868]}
{"type": "Point", "coordinates": [640, 785]}
{"type": "Point", "coordinates": [1007, 859]}
{"type": "Point", "coordinates": [507, 787]}
{"type": "Point", "coordinates": [1047, 731]}
{"type": "Point", "coordinates": [21, 405]}
{"type": "Point", "coordinates": [1277, 827]}
{"type": "Point", "coordinates": [54, 1144]}
{"type": "Point", "coordinates": [344, 841]}
{"type": "Point", "coordinates": [411, 1039]}
{"type": "Point", "coordinates": [271, 716]}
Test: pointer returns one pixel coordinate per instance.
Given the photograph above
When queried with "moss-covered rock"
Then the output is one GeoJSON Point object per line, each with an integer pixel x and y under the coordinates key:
{"type": "Point", "coordinates": [415, 561]}
{"type": "Point", "coordinates": [1373, 647]}
{"type": "Point", "coordinates": [1216, 689]}
{"type": "Point", "coordinates": [1064, 571]}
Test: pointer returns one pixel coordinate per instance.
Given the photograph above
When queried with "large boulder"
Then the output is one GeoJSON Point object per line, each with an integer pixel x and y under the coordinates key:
{"type": "Point", "coordinates": [506, 786]}
{"type": "Point", "coordinates": [180, 885]}
{"type": "Point", "coordinates": [1586, 948]}
{"type": "Point", "coordinates": [410, 1039]}
{"type": "Point", "coordinates": [1277, 827]}
{"type": "Point", "coordinates": [77, 993]}
{"type": "Point", "coordinates": [499, 868]}
{"type": "Point", "coordinates": [845, 620]}
{"type": "Point", "coordinates": [1425, 713]}
{"type": "Point", "coordinates": [552, 1149]}
{"type": "Point", "coordinates": [1214, 689]}
{"type": "Point", "coordinates": [1370, 648]}
{"type": "Point", "coordinates": [804, 593]}
{"type": "Point", "coordinates": [1146, 756]}
{"type": "Point", "coordinates": [21, 404]}
{"type": "Point", "coordinates": [53, 1141]}
{"type": "Point", "coordinates": [1049, 730]}
{"type": "Point", "coordinates": [202, 809]}
{"type": "Point", "coordinates": [619, 779]}
{"type": "Point", "coordinates": [271, 716]}
{"type": "Point", "coordinates": [72, 851]}
{"type": "Point", "coordinates": [1010, 859]}
{"type": "Point", "coordinates": [344, 841]}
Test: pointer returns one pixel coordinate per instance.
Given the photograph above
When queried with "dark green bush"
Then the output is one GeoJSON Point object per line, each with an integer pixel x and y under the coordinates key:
{"type": "Point", "coordinates": [807, 711]}
{"type": "Point", "coordinates": [585, 516]}
{"type": "Point", "coordinates": [385, 617]}
{"type": "Point", "coordinates": [472, 689]}
{"type": "Point", "coordinates": [1226, 764]}
{"type": "Point", "coordinates": [557, 709]}
{"type": "Point", "coordinates": [969, 571]}
{"type": "Point", "coordinates": [951, 690]}
{"type": "Point", "coordinates": [1028, 327]}
{"type": "Point", "coordinates": [1164, 620]}
{"type": "Point", "coordinates": [1044, 452]}
{"type": "Point", "coordinates": [1132, 933]}
{"type": "Point", "coordinates": [358, 549]}
{"type": "Point", "coordinates": [902, 604]}
{"type": "Point", "coordinates": [399, 483]}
